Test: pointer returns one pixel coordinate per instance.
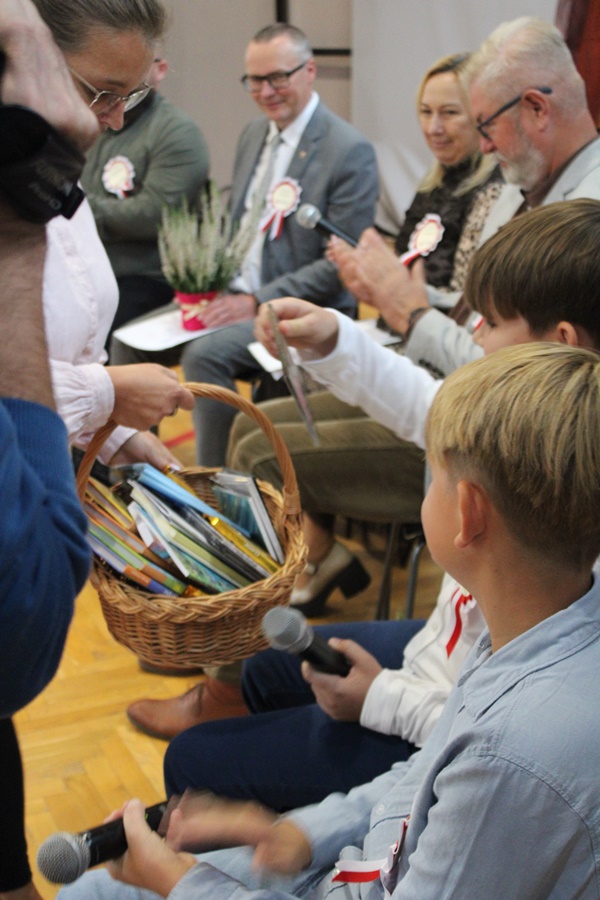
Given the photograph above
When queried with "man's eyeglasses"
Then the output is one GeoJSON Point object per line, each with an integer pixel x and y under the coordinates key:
{"type": "Point", "coordinates": [481, 127]}
{"type": "Point", "coordinates": [277, 80]}
{"type": "Point", "coordinates": [105, 101]}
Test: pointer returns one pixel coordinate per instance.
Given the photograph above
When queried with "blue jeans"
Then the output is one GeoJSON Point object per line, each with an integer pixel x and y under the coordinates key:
{"type": "Point", "coordinates": [289, 753]}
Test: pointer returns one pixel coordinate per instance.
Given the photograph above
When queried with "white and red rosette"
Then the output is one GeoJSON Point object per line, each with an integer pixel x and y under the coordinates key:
{"type": "Point", "coordinates": [118, 175]}
{"type": "Point", "coordinates": [282, 201]}
{"type": "Point", "coordinates": [426, 236]}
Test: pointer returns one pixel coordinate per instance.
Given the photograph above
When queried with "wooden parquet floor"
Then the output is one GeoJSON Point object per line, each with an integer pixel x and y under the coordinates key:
{"type": "Point", "coordinates": [82, 756]}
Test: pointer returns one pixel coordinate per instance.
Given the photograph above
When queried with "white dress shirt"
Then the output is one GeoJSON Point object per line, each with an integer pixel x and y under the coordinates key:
{"type": "Point", "coordinates": [249, 279]}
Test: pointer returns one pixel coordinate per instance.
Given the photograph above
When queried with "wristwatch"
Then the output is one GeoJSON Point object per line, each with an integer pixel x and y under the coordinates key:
{"type": "Point", "coordinates": [413, 318]}
{"type": "Point", "coordinates": [39, 169]}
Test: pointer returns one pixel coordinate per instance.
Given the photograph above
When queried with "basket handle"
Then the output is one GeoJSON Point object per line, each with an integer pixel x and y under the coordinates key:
{"type": "Point", "coordinates": [291, 495]}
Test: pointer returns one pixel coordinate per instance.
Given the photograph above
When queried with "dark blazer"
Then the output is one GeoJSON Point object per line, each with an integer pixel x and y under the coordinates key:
{"type": "Point", "coordinates": [336, 168]}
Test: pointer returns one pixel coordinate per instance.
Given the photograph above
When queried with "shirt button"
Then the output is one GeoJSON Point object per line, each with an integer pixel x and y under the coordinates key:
{"type": "Point", "coordinates": [379, 809]}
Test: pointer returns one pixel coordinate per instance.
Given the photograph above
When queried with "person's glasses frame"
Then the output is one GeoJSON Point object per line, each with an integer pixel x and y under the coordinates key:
{"type": "Point", "coordinates": [105, 101]}
{"type": "Point", "coordinates": [279, 81]}
{"type": "Point", "coordinates": [481, 126]}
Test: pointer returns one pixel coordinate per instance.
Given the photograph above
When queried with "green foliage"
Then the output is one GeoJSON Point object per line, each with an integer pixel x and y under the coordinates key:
{"type": "Point", "coordinates": [201, 251]}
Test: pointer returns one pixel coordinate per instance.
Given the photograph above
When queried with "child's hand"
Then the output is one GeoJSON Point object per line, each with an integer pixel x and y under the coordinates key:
{"type": "Point", "coordinates": [202, 821]}
{"type": "Point", "coordinates": [284, 850]}
{"type": "Point", "coordinates": [148, 862]}
{"type": "Point", "coordinates": [302, 324]}
{"type": "Point", "coordinates": [343, 698]}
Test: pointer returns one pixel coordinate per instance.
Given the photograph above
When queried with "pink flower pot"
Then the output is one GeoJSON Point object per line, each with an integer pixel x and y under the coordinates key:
{"type": "Point", "coordinates": [192, 307]}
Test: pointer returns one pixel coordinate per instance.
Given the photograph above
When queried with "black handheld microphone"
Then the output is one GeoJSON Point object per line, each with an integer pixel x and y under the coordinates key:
{"type": "Point", "coordinates": [63, 857]}
{"type": "Point", "coordinates": [287, 629]}
{"type": "Point", "coordinates": [309, 216]}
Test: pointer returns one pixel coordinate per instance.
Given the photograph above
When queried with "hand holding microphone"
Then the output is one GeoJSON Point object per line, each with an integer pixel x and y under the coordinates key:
{"type": "Point", "coordinates": [341, 676]}
{"type": "Point", "coordinates": [63, 857]}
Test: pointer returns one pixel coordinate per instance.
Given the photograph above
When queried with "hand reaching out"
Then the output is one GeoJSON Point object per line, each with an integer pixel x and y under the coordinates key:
{"type": "Point", "coordinates": [302, 324]}
{"type": "Point", "coordinates": [343, 698]}
{"type": "Point", "coordinates": [145, 393]}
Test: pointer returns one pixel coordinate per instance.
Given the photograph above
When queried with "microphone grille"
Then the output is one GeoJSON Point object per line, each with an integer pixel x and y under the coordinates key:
{"type": "Point", "coordinates": [286, 629]}
{"type": "Point", "coordinates": [63, 857]}
{"type": "Point", "coordinates": [308, 216]}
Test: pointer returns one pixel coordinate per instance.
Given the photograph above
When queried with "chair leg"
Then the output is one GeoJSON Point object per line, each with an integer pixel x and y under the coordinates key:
{"type": "Point", "coordinates": [385, 591]}
{"type": "Point", "coordinates": [411, 587]}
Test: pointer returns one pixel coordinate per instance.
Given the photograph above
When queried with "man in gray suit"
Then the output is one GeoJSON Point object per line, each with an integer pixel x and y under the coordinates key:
{"type": "Point", "coordinates": [322, 160]}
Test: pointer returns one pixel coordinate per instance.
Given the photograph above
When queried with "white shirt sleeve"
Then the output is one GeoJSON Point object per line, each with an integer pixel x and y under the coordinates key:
{"type": "Point", "coordinates": [408, 701]}
{"type": "Point", "coordinates": [388, 386]}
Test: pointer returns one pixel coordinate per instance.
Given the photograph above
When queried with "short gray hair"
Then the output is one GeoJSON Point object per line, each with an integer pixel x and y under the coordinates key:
{"type": "Point", "coordinates": [527, 52]}
{"type": "Point", "coordinates": [71, 20]}
{"type": "Point", "coordinates": [295, 35]}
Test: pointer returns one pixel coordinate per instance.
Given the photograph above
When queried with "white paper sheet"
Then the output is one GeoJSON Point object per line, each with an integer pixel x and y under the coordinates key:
{"type": "Point", "coordinates": [159, 332]}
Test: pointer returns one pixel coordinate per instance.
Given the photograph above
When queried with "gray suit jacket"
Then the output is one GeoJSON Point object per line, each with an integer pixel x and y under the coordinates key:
{"type": "Point", "coordinates": [337, 171]}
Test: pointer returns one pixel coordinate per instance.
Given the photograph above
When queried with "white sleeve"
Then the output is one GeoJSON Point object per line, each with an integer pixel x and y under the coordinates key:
{"type": "Point", "coordinates": [408, 701]}
{"type": "Point", "coordinates": [84, 394]}
{"type": "Point", "coordinates": [85, 398]}
{"type": "Point", "coordinates": [441, 344]}
{"type": "Point", "coordinates": [389, 387]}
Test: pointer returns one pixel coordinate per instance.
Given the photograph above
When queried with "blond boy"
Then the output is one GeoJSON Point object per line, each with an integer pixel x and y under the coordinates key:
{"type": "Point", "coordinates": [503, 797]}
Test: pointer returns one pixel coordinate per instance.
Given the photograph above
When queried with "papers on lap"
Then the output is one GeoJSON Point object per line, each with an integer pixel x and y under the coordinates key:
{"type": "Point", "coordinates": [159, 332]}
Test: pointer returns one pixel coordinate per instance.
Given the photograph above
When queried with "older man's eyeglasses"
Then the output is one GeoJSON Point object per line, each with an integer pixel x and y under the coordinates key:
{"type": "Point", "coordinates": [279, 81]}
{"type": "Point", "coordinates": [483, 126]}
{"type": "Point", "coordinates": [105, 101]}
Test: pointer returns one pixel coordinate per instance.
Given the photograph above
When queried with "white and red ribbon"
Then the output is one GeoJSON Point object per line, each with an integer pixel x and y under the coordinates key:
{"type": "Point", "coordinates": [359, 871]}
{"type": "Point", "coordinates": [282, 201]}
{"type": "Point", "coordinates": [462, 603]}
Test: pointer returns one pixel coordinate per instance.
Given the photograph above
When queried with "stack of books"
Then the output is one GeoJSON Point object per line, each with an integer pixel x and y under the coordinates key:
{"type": "Point", "coordinates": [154, 531]}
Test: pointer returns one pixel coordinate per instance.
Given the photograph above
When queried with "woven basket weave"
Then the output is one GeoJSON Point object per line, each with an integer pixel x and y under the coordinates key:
{"type": "Point", "coordinates": [184, 632]}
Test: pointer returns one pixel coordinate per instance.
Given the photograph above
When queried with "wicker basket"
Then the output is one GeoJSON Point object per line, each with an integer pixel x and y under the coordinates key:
{"type": "Point", "coordinates": [184, 632]}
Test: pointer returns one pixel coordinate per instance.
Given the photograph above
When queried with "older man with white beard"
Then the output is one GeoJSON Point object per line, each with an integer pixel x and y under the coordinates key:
{"type": "Point", "coordinates": [529, 103]}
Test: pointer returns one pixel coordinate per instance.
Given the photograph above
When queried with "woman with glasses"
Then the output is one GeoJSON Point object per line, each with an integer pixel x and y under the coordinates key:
{"type": "Point", "coordinates": [108, 45]}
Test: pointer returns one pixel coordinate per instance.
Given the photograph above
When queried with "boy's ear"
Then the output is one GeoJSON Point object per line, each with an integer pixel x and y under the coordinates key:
{"type": "Point", "coordinates": [472, 512]}
{"type": "Point", "coordinates": [566, 333]}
